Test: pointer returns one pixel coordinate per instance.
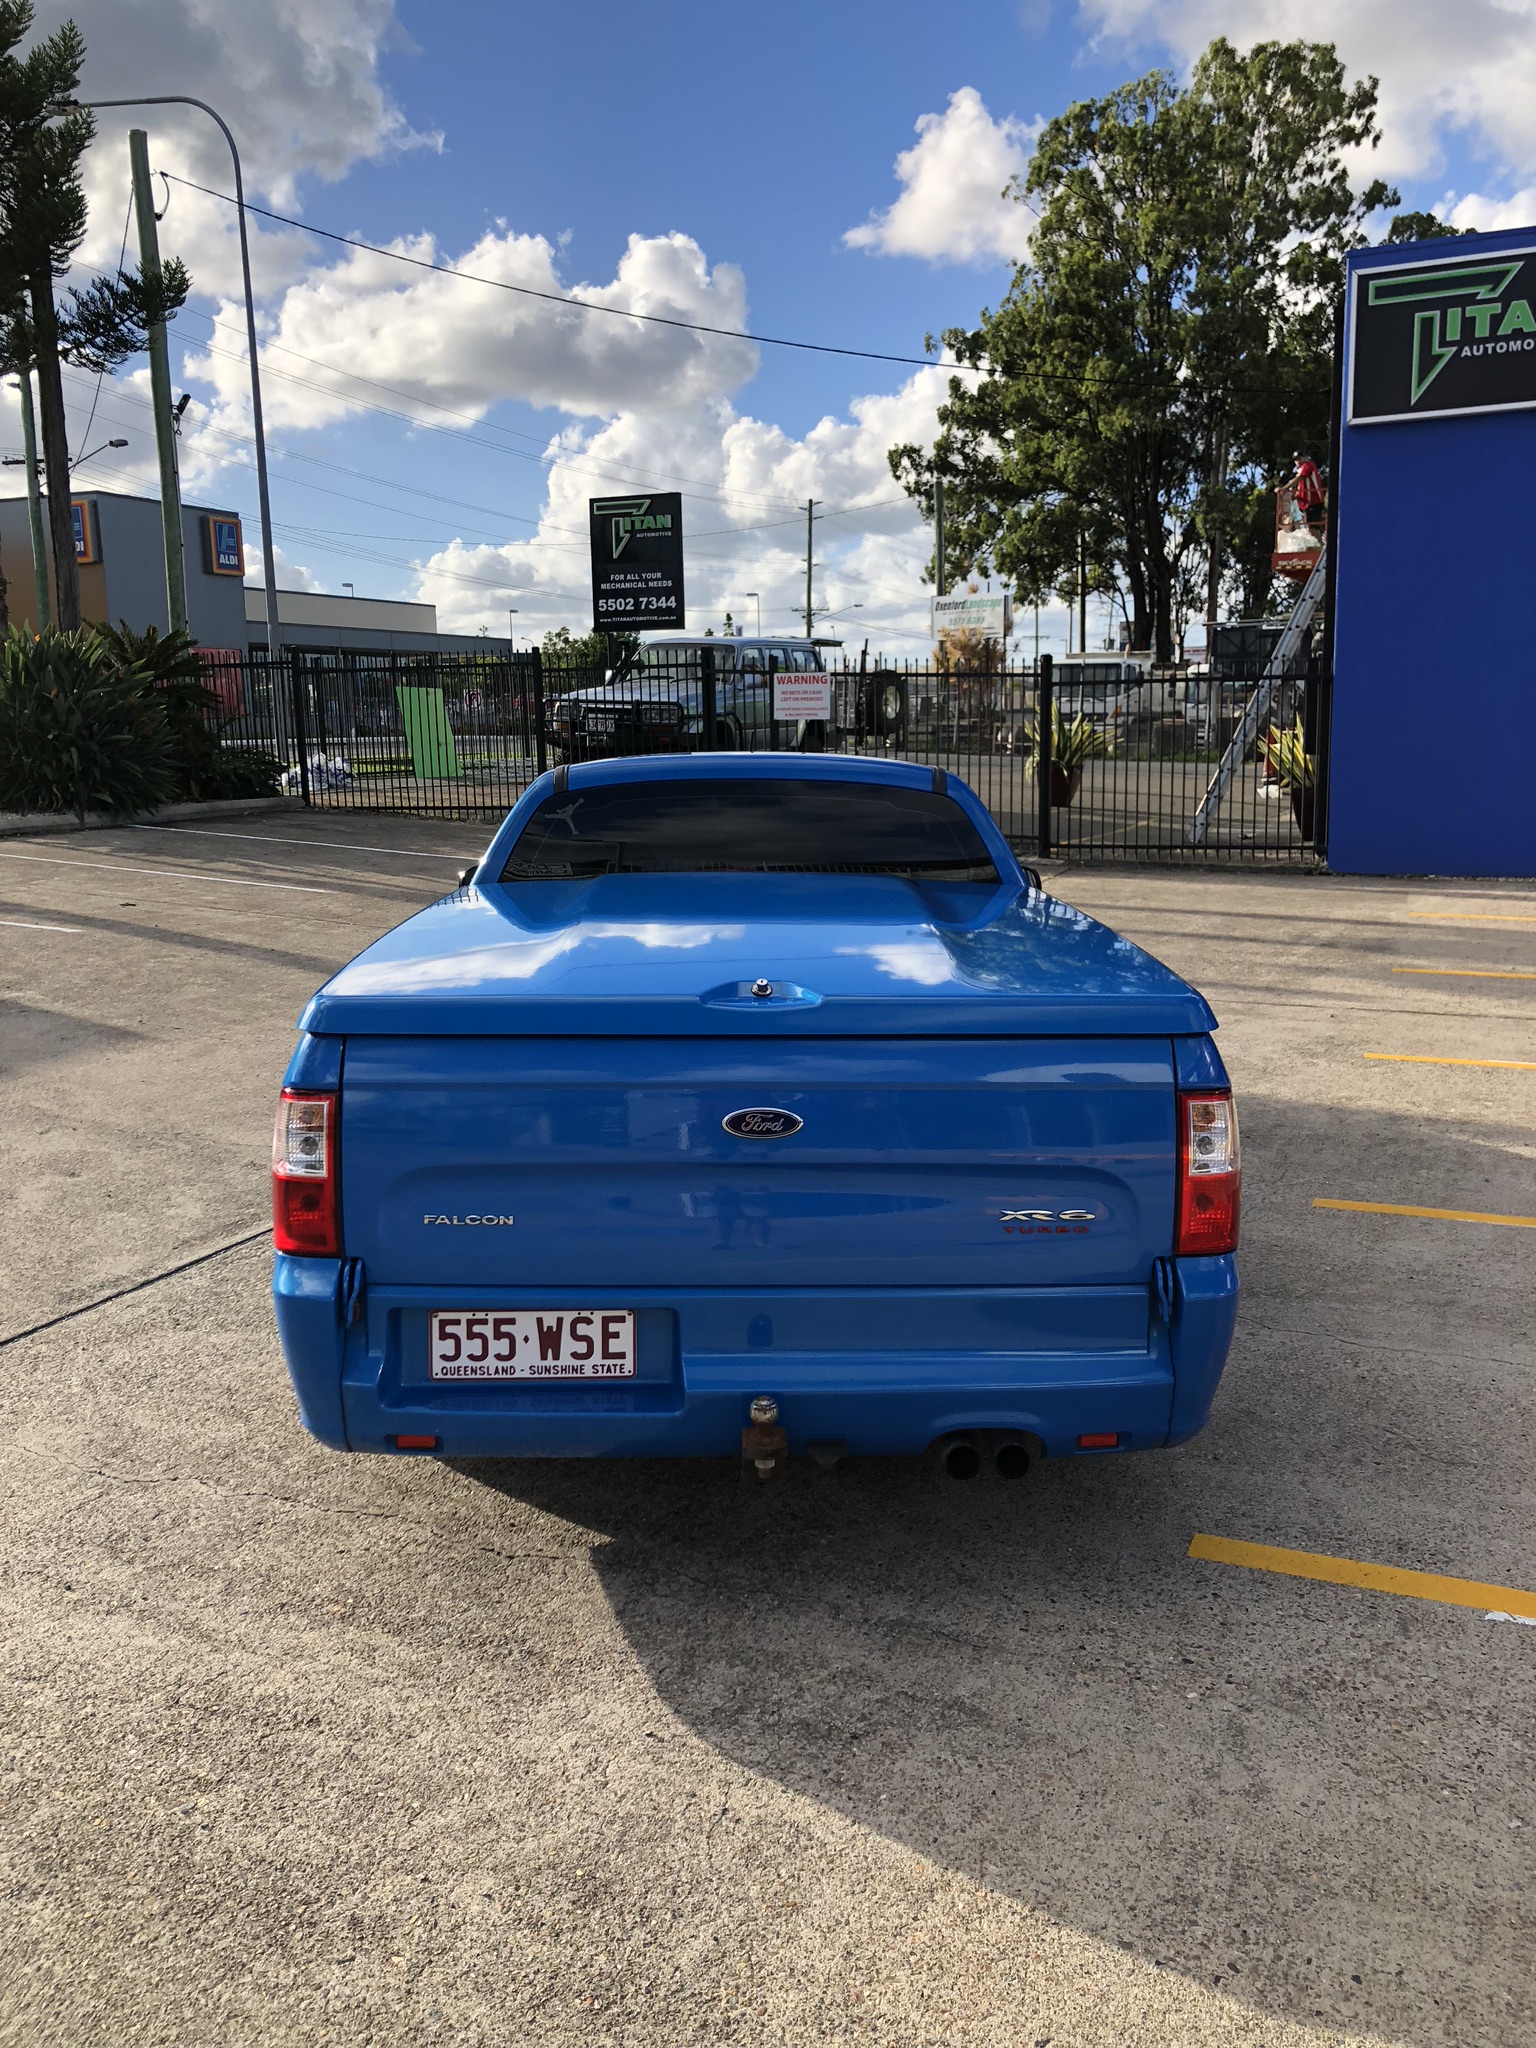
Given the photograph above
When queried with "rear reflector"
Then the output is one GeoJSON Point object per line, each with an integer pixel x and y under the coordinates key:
{"type": "Point", "coordinates": [1098, 1440]}
{"type": "Point", "coordinates": [304, 1207]}
{"type": "Point", "coordinates": [1210, 1176]}
{"type": "Point", "coordinates": [415, 1443]}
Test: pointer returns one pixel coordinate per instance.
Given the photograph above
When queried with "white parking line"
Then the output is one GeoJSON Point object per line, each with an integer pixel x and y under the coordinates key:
{"type": "Point", "coordinates": [293, 839]}
{"type": "Point", "coordinates": [121, 867]}
{"type": "Point", "coordinates": [27, 924]}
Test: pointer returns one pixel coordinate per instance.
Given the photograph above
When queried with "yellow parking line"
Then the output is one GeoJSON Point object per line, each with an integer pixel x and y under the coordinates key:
{"type": "Point", "coordinates": [1439, 1215]}
{"type": "Point", "coordinates": [1374, 1578]}
{"type": "Point", "coordinates": [1431, 1059]}
{"type": "Point", "coordinates": [1478, 973]}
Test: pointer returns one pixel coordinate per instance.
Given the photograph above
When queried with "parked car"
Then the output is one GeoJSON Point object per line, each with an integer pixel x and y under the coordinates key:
{"type": "Point", "coordinates": [758, 1093]}
{"type": "Point", "coordinates": [654, 703]}
{"type": "Point", "coordinates": [1110, 691]}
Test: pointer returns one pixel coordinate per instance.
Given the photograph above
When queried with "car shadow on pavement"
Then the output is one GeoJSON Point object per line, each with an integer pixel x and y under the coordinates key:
{"type": "Point", "coordinates": [1305, 1795]}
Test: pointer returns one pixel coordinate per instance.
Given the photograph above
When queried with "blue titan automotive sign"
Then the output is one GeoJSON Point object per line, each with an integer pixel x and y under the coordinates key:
{"type": "Point", "coordinates": [224, 546]}
{"type": "Point", "coordinates": [1455, 335]}
{"type": "Point", "coordinates": [637, 560]}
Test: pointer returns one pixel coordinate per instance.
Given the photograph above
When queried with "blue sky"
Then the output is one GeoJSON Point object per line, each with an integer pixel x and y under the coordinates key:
{"type": "Point", "coordinates": [828, 172]}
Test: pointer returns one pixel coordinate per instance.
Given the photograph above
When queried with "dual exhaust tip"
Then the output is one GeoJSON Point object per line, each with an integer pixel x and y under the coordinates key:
{"type": "Point", "coordinates": [966, 1457]}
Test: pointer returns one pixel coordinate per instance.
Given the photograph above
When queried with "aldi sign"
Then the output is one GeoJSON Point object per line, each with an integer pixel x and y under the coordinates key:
{"type": "Point", "coordinates": [637, 560]}
{"type": "Point", "coordinates": [1451, 336]}
{"type": "Point", "coordinates": [223, 546]}
{"type": "Point", "coordinates": [86, 550]}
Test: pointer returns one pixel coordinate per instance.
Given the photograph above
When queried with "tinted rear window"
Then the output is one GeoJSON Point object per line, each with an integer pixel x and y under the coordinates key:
{"type": "Point", "coordinates": [781, 827]}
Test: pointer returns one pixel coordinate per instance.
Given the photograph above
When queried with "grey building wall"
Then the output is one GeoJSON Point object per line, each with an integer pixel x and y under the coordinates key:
{"type": "Point", "coordinates": [317, 622]}
{"type": "Point", "coordinates": [129, 581]}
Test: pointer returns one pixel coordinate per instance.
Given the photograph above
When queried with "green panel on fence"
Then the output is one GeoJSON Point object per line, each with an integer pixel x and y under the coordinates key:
{"type": "Point", "coordinates": [425, 719]}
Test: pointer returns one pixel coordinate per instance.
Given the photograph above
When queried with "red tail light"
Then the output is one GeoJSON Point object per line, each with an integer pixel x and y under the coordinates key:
{"type": "Point", "coordinates": [1210, 1175]}
{"type": "Point", "coordinates": [305, 1216]}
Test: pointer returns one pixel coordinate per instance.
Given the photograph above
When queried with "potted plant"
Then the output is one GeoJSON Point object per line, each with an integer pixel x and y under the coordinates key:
{"type": "Point", "coordinates": [1074, 742]}
{"type": "Point", "coordinates": [1287, 762]}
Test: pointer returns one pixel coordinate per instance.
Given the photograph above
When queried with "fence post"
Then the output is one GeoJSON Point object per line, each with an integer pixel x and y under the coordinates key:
{"type": "Point", "coordinates": [300, 734]}
{"type": "Point", "coordinates": [707, 676]}
{"type": "Point", "coordinates": [1045, 752]}
{"type": "Point", "coordinates": [540, 737]}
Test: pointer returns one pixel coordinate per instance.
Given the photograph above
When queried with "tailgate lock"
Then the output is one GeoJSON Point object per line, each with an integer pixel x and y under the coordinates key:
{"type": "Point", "coordinates": [763, 1442]}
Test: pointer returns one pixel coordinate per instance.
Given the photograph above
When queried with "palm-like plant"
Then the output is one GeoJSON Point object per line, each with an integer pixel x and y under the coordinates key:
{"type": "Point", "coordinates": [78, 732]}
{"type": "Point", "coordinates": [1075, 741]}
{"type": "Point", "coordinates": [1286, 759]}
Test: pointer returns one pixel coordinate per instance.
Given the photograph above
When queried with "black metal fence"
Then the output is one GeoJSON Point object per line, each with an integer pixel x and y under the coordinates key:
{"type": "Point", "coordinates": [1092, 761]}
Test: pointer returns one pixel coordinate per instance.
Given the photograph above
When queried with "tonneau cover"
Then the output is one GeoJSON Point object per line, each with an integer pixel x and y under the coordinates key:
{"type": "Point", "coordinates": [678, 955]}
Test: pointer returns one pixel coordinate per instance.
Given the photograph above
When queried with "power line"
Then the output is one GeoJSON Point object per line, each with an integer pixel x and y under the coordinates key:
{"type": "Point", "coordinates": [1084, 377]}
{"type": "Point", "coordinates": [475, 440]}
{"type": "Point", "coordinates": [527, 291]}
{"type": "Point", "coordinates": [438, 497]}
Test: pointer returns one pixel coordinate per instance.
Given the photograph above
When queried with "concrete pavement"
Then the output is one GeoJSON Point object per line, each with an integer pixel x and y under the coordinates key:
{"type": "Point", "coordinates": [320, 1750]}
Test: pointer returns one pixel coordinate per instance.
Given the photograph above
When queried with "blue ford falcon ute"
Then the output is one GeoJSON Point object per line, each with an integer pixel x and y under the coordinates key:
{"type": "Point", "coordinates": [755, 1105]}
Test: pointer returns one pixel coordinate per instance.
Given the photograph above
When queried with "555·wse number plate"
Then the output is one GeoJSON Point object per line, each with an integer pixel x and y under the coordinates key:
{"type": "Point", "coordinates": [532, 1344]}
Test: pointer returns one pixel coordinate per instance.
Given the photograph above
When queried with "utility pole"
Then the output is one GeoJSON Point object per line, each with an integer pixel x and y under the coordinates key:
{"type": "Point", "coordinates": [35, 503]}
{"type": "Point", "coordinates": [810, 520]}
{"type": "Point", "coordinates": [263, 496]}
{"type": "Point", "coordinates": [938, 536]}
{"type": "Point", "coordinates": [160, 388]}
{"type": "Point", "coordinates": [1082, 591]}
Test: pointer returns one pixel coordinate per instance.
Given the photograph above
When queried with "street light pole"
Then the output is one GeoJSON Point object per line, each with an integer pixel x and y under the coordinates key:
{"type": "Point", "coordinates": [181, 99]}
{"type": "Point", "coordinates": [757, 600]}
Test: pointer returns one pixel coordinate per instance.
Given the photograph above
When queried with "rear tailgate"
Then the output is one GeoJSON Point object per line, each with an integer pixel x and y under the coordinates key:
{"type": "Point", "coordinates": [952, 1163]}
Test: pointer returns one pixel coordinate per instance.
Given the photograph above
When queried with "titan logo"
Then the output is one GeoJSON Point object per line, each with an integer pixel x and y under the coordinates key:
{"type": "Point", "coordinates": [628, 516]}
{"type": "Point", "coordinates": [1441, 333]}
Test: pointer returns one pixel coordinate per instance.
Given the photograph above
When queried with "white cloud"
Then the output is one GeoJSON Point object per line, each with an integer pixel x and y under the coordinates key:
{"type": "Point", "coordinates": [297, 81]}
{"type": "Point", "coordinates": [291, 575]}
{"type": "Point", "coordinates": [745, 483]}
{"type": "Point", "coordinates": [1475, 211]}
{"type": "Point", "coordinates": [951, 208]}
{"type": "Point", "coordinates": [1470, 67]}
{"type": "Point", "coordinates": [465, 346]}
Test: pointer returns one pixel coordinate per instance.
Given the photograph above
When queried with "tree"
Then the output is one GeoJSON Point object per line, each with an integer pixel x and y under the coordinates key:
{"type": "Point", "coordinates": [42, 223]}
{"type": "Point", "coordinates": [587, 650]}
{"type": "Point", "coordinates": [1169, 333]}
{"type": "Point", "coordinates": [1421, 227]}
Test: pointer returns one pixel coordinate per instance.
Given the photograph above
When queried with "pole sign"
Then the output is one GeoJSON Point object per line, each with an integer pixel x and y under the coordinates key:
{"type": "Point", "coordinates": [86, 547]}
{"type": "Point", "coordinates": [637, 561]}
{"type": "Point", "coordinates": [972, 612]}
{"type": "Point", "coordinates": [223, 548]}
{"type": "Point", "coordinates": [1427, 339]}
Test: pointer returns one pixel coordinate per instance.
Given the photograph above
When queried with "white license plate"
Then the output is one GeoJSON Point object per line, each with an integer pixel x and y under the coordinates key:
{"type": "Point", "coordinates": [532, 1344]}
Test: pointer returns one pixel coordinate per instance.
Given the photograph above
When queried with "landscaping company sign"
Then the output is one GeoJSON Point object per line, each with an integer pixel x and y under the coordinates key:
{"type": "Point", "coordinates": [971, 612]}
{"type": "Point", "coordinates": [1444, 337]}
{"type": "Point", "coordinates": [637, 560]}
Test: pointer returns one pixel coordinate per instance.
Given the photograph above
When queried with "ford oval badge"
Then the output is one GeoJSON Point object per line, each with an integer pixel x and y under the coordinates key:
{"type": "Point", "coordinates": [762, 1123]}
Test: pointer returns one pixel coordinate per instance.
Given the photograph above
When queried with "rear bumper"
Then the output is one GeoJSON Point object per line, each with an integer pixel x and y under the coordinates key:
{"type": "Point", "coordinates": [885, 1372]}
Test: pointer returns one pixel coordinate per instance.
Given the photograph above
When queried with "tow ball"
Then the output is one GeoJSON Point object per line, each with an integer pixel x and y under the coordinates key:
{"type": "Point", "coordinates": [764, 1446]}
